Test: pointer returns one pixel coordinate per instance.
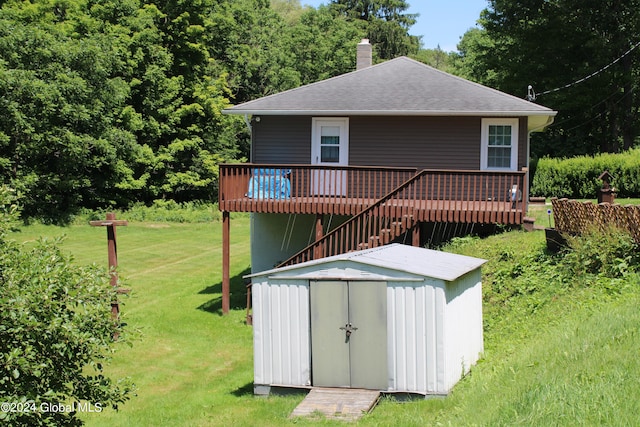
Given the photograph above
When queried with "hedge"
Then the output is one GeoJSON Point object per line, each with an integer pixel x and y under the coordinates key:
{"type": "Point", "coordinates": [577, 177]}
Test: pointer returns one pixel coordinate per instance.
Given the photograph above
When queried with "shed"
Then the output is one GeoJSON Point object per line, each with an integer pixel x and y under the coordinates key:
{"type": "Point", "coordinates": [395, 318]}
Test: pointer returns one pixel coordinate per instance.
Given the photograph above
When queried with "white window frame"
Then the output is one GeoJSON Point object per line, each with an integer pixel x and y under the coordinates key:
{"type": "Point", "coordinates": [484, 139]}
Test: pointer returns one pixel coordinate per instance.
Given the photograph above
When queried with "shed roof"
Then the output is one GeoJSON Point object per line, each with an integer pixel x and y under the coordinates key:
{"type": "Point", "coordinates": [403, 258]}
{"type": "Point", "coordinates": [401, 86]}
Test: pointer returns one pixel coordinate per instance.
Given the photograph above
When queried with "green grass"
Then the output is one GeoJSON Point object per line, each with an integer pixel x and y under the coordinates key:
{"type": "Point", "coordinates": [555, 355]}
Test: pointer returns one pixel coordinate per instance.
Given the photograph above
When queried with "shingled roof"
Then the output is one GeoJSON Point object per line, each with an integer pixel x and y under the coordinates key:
{"type": "Point", "coordinates": [400, 86]}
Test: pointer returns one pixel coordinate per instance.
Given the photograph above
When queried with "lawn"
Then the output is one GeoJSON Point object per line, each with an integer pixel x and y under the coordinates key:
{"type": "Point", "coordinates": [571, 358]}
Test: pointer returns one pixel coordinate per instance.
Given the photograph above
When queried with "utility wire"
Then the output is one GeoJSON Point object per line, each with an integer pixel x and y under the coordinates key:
{"type": "Point", "coordinates": [532, 95]}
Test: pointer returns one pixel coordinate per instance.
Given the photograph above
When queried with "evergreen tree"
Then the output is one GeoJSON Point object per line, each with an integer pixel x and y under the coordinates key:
{"type": "Point", "coordinates": [386, 22]}
{"type": "Point", "coordinates": [580, 48]}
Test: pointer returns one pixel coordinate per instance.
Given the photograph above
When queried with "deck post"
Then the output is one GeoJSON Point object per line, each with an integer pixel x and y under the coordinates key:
{"type": "Point", "coordinates": [317, 253]}
{"type": "Point", "coordinates": [225, 261]}
{"type": "Point", "coordinates": [415, 235]}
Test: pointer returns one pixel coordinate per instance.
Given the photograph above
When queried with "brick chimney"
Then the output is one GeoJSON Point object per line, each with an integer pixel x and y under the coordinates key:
{"type": "Point", "coordinates": [364, 55]}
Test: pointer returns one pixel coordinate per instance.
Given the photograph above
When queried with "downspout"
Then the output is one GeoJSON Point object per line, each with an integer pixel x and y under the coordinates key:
{"type": "Point", "coordinates": [247, 122]}
{"type": "Point", "coordinates": [250, 128]}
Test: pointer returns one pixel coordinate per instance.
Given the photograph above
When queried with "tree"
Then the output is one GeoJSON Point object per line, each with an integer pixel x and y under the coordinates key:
{"type": "Point", "coordinates": [59, 142]}
{"type": "Point", "coordinates": [110, 102]}
{"type": "Point", "coordinates": [289, 10]}
{"type": "Point", "coordinates": [436, 58]}
{"type": "Point", "coordinates": [386, 22]}
{"type": "Point", "coordinates": [579, 48]}
{"type": "Point", "coordinates": [55, 333]}
{"type": "Point", "coordinates": [323, 45]}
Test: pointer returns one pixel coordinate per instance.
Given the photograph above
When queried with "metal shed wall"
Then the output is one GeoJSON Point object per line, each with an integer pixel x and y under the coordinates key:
{"type": "Point", "coordinates": [463, 326]}
{"type": "Point", "coordinates": [415, 313]}
{"type": "Point", "coordinates": [281, 337]}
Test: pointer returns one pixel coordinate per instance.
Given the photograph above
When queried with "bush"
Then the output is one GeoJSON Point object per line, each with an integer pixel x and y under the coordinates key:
{"type": "Point", "coordinates": [522, 277]}
{"type": "Point", "coordinates": [162, 211]}
{"type": "Point", "coordinates": [55, 333]}
{"type": "Point", "coordinates": [577, 177]}
{"type": "Point", "coordinates": [611, 253]}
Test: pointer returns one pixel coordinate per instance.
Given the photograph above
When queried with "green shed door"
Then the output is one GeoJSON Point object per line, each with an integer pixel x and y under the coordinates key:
{"type": "Point", "coordinates": [349, 334]}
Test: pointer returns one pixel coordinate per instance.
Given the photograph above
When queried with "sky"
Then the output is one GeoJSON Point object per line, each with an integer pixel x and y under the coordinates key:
{"type": "Point", "coordinates": [441, 22]}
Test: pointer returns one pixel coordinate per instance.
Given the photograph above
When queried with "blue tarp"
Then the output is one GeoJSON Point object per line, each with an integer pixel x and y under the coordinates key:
{"type": "Point", "coordinates": [269, 184]}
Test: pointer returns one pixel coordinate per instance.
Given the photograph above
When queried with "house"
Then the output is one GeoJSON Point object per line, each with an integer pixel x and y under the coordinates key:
{"type": "Point", "coordinates": [370, 157]}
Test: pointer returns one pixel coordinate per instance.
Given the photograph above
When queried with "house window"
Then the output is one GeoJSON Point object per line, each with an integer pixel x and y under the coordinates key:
{"type": "Point", "coordinates": [330, 144]}
{"type": "Point", "coordinates": [499, 144]}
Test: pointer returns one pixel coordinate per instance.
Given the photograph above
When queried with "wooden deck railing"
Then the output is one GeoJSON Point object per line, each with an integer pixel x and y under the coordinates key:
{"type": "Point", "coordinates": [281, 188]}
{"type": "Point", "coordinates": [439, 196]}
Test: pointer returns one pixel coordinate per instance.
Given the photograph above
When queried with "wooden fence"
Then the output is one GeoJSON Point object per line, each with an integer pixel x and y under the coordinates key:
{"type": "Point", "coordinates": [574, 217]}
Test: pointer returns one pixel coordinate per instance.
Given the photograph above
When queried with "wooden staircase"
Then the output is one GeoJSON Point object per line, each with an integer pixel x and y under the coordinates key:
{"type": "Point", "coordinates": [391, 229]}
{"type": "Point", "coordinates": [379, 224]}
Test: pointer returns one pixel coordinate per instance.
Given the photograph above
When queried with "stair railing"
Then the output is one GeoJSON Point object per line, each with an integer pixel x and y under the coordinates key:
{"type": "Point", "coordinates": [434, 196]}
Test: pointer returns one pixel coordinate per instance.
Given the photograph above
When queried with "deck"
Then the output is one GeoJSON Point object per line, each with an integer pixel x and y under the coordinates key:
{"type": "Point", "coordinates": [465, 211]}
{"type": "Point", "coordinates": [438, 196]}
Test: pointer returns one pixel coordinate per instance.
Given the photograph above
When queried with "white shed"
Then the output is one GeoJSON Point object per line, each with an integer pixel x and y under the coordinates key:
{"type": "Point", "coordinates": [395, 318]}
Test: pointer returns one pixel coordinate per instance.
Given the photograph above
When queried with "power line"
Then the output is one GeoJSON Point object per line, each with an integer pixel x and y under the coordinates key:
{"type": "Point", "coordinates": [532, 95]}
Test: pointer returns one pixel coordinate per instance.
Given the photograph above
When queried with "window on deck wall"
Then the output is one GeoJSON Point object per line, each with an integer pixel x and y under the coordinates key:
{"type": "Point", "coordinates": [499, 144]}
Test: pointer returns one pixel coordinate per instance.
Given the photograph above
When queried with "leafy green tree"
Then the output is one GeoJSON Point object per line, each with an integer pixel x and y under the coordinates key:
{"type": "Point", "coordinates": [323, 45]}
{"type": "Point", "coordinates": [386, 22]}
{"type": "Point", "coordinates": [176, 97]}
{"type": "Point", "coordinates": [436, 58]}
{"type": "Point", "coordinates": [110, 102]}
{"type": "Point", "coordinates": [576, 55]}
{"type": "Point", "coordinates": [55, 333]}
{"type": "Point", "coordinates": [59, 96]}
{"type": "Point", "coordinates": [289, 10]}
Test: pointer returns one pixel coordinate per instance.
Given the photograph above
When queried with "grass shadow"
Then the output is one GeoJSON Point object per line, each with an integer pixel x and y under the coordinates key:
{"type": "Point", "coordinates": [237, 294]}
{"type": "Point", "coordinates": [245, 390]}
{"type": "Point", "coordinates": [275, 391]}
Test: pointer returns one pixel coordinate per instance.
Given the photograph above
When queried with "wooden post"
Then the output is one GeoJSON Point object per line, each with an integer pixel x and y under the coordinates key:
{"type": "Point", "coordinates": [415, 235]}
{"type": "Point", "coordinates": [112, 250]}
{"type": "Point", "coordinates": [226, 229]}
{"type": "Point", "coordinates": [317, 254]}
{"type": "Point", "coordinates": [249, 318]}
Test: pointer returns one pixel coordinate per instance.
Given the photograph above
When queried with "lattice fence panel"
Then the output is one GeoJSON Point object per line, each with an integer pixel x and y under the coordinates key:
{"type": "Point", "coordinates": [574, 217]}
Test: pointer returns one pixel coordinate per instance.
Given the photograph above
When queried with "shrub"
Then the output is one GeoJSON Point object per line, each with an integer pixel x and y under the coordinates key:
{"type": "Point", "coordinates": [162, 211]}
{"type": "Point", "coordinates": [577, 177]}
{"type": "Point", "coordinates": [611, 253]}
{"type": "Point", "coordinates": [55, 333]}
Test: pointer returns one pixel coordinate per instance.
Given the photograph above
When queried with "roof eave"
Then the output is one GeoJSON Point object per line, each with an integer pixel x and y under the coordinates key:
{"type": "Point", "coordinates": [442, 113]}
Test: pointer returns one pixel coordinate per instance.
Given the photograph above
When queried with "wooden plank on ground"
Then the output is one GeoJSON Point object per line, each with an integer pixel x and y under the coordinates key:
{"type": "Point", "coordinates": [346, 404]}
